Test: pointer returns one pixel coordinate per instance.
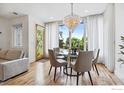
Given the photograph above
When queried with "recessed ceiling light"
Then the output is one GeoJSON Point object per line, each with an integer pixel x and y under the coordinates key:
{"type": "Point", "coordinates": [86, 11]}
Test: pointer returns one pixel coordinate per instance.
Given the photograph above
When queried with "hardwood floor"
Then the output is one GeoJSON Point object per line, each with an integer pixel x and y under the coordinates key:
{"type": "Point", "coordinates": [38, 75]}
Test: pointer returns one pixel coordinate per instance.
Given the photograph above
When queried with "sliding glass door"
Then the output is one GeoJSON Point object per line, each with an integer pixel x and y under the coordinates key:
{"type": "Point", "coordinates": [79, 37]}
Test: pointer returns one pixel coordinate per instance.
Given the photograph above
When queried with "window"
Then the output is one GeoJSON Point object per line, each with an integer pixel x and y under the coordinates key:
{"type": "Point", "coordinates": [17, 35]}
{"type": "Point", "coordinates": [77, 39]}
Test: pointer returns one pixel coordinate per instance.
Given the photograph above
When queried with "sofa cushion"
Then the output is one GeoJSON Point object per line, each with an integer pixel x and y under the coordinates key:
{"type": "Point", "coordinates": [13, 54]}
{"type": "Point", "coordinates": [3, 60]}
{"type": "Point", "coordinates": [3, 54]}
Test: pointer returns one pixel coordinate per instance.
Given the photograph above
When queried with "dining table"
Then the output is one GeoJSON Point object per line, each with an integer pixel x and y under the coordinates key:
{"type": "Point", "coordinates": [73, 57]}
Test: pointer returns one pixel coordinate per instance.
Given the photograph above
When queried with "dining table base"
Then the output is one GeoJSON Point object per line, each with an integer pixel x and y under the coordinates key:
{"type": "Point", "coordinates": [68, 72]}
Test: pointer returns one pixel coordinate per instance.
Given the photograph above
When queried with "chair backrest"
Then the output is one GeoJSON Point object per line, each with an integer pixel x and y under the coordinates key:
{"type": "Point", "coordinates": [84, 60]}
{"type": "Point", "coordinates": [52, 57]}
{"type": "Point", "coordinates": [97, 56]}
{"type": "Point", "coordinates": [56, 51]}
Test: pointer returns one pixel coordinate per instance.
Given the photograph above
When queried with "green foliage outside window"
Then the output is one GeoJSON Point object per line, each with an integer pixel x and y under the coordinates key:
{"type": "Point", "coordinates": [75, 43]}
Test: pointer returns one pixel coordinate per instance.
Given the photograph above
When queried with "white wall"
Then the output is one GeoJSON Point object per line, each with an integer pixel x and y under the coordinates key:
{"type": "Point", "coordinates": [109, 38]}
{"type": "Point", "coordinates": [4, 36]}
{"type": "Point", "coordinates": [119, 31]}
{"type": "Point", "coordinates": [32, 37]}
{"type": "Point", "coordinates": [28, 36]}
{"type": "Point", "coordinates": [24, 21]}
{"type": "Point", "coordinates": [113, 29]}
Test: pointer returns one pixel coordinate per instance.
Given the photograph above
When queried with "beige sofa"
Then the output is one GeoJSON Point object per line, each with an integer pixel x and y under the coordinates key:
{"type": "Point", "coordinates": [12, 63]}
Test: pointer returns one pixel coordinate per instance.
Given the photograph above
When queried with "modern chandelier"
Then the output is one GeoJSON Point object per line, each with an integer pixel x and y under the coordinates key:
{"type": "Point", "coordinates": [72, 20]}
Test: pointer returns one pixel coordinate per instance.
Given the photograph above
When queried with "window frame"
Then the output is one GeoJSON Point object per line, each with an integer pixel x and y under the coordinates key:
{"type": "Point", "coordinates": [17, 36]}
{"type": "Point", "coordinates": [85, 34]}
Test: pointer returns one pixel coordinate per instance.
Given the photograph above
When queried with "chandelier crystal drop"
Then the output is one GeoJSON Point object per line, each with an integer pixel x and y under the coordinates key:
{"type": "Point", "coordinates": [71, 21]}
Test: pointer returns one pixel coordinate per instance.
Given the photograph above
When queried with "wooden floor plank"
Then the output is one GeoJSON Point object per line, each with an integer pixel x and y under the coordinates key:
{"type": "Point", "coordinates": [38, 75]}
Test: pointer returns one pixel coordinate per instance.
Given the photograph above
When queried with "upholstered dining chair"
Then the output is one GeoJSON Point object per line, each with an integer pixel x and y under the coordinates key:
{"type": "Point", "coordinates": [95, 60]}
{"type": "Point", "coordinates": [55, 63]}
{"type": "Point", "coordinates": [83, 64]}
{"type": "Point", "coordinates": [56, 50]}
{"type": "Point", "coordinates": [57, 55]}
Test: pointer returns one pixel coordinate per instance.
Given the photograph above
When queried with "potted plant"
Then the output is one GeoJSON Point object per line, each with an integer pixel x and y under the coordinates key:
{"type": "Point", "coordinates": [122, 50]}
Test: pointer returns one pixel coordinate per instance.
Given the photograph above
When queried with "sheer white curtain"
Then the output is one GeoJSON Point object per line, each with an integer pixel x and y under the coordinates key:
{"type": "Point", "coordinates": [109, 38]}
{"type": "Point", "coordinates": [101, 35]}
{"type": "Point", "coordinates": [51, 36]}
{"type": "Point", "coordinates": [94, 27]}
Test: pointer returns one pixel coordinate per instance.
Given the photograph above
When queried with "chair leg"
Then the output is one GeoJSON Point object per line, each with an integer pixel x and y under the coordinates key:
{"type": "Point", "coordinates": [82, 73]}
{"type": "Point", "coordinates": [96, 69]}
{"type": "Point", "coordinates": [55, 73]}
{"type": "Point", "coordinates": [71, 72]}
{"type": "Point", "coordinates": [66, 69]}
{"type": "Point", "coordinates": [50, 70]}
{"type": "Point", "coordinates": [60, 69]}
{"type": "Point", "coordinates": [77, 77]}
{"type": "Point", "coordinates": [90, 78]}
{"type": "Point", "coordinates": [93, 66]}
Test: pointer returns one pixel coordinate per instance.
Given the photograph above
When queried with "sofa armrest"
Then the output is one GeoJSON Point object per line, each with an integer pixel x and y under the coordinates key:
{"type": "Point", "coordinates": [14, 61]}
{"type": "Point", "coordinates": [14, 67]}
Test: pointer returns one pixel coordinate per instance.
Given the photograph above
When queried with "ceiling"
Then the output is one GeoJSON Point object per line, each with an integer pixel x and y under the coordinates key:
{"type": "Point", "coordinates": [50, 11]}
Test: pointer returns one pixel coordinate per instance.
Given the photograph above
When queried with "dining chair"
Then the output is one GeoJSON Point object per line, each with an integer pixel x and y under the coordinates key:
{"type": "Point", "coordinates": [95, 60]}
{"type": "Point", "coordinates": [57, 55]}
{"type": "Point", "coordinates": [83, 64]}
{"type": "Point", "coordinates": [55, 63]}
{"type": "Point", "coordinates": [56, 49]}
